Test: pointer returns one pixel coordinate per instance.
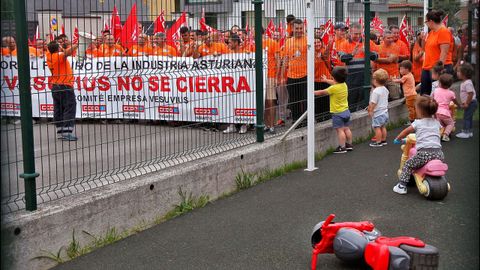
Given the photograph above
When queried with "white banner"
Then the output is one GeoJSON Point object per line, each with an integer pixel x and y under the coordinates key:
{"type": "Point", "coordinates": [210, 89]}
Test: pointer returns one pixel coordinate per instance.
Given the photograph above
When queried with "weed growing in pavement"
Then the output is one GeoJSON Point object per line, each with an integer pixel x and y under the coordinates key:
{"type": "Point", "coordinates": [244, 180]}
{"type": "Point", "coordinates": [187, 204]}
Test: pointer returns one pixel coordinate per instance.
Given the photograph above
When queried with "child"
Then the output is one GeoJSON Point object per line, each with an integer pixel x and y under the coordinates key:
{"type": "Point", "coordinates": [468, 98]}
{"type": "Point", "coordinates": [338, 92]}
{"type": "Point", "coordinates": [378, 107]}
{"type": "Point", "coordinates": [408, 85]}
{"type": "Point", "coordinates": [427, 140]}
{"type": "Point", "coordinates": [443, 96]}
{"type": "Point", "coordinates": [437, 70]}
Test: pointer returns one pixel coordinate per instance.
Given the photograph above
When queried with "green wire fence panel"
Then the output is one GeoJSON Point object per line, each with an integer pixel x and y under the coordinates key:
{"type": "Point", "coordinates": [121, 88]}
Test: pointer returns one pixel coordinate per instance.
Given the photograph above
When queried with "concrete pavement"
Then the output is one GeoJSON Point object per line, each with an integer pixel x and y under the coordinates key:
{"type": "Point", "coordinates": [268, 226]}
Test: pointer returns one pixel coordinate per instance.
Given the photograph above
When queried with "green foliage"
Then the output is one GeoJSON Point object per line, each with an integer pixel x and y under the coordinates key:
{"type": "Point", "coordinates": [187, 204]}
{"type": "Point", "coordinates": [244, 180]}
{"type": "Point", "coordinates": [56, 257]}
{"type": "Point", "coordinates": [450, 7]}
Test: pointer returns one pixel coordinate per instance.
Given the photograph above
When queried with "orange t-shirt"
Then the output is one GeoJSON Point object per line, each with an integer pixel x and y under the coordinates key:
{"type": "Point", "coordinates": [248, 47]}
{"type": "Point", "coordinates": [187, 48]}
{"type": "Point", "coordinates": [138, 50]}
{"type": "Point", "coordinates": [404, 51]}
{"type": "Point", "coordinates": [60, 69]}
{"type": "Point", "coordinates": [408, 85]}
{"type": "Point", "coordinates": [214, 48]}
{"type": "Point", "coordinates": [7, 52]}
{"type": "Point", "coordinates": [337, 45]}
{"type": "Point", "coordinates": [167, 50]}
{"type": "Point", "coordinates": [384, 52]}
{"type": "Point", "coordinates": [417, 65]}
{"type": "Point", "coordinates": [321, 65]}
{"type": "Point", "coordinates": [348, 47]}
{"type": "Point", "coordinates": [273, 50]}
{"type": "Point", "coordinates": [449, 59]}
{"type": "Point", "coordinates": [91, 52]}
{"type": "Point", "coordinates": [296, 51]}
{"type": "Point", "coordinates": [34, 52]}
{"type": "Point", "coordinates": [107, 51]}
{"type": "Point", "coordinates": [432, 46]}
{"type": "Point", "coordinates": [373, 46]}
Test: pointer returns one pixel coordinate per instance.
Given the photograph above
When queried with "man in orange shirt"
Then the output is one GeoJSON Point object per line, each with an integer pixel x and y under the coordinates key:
{"type": "Point", "coordinates": [94, 47]}
{"type": "Point", "coordinates": [9, 46]}
{"type": "Point", "coordinates": [340, 38]}
{"type": "Point", "coordinates": [290, 19]}
{"type": "Point", "coordinates": [211, 47]}
{"type": "Point", "coordinates": [352, 53]}
{"type": "Point", "coordinates": [38, 50]}
{"type": "Point", "coordinates": [109, 48]}
{"type": "Point", "coordinates": [160, 46]}
{"type": "Point", "coordinates": [64, 102]}
{"type": "Point", "coordinates": [273, 54]}
{"type": "Point", "coordinates": [388, 60]}
{"type": "Point", "coordinates": [187, 47]}
{"type": "Point", "coordinates": [322, 68]}
{"type": "Point", "coordinates": [404, 52]}
{"type": "Point", "coordinates": [141, 48]}
{"type": "Point", "coordinates": [234, 44]}
{"type": "Point", "coordinates": [294, 55]}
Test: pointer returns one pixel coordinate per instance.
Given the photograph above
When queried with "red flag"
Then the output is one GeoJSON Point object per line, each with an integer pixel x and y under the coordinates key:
{"type": "Point", "coordinates": [445, 20]}
{"type": "Point", "coordinates": [250, 36]}
{"type": "Point", "coordinates": [75, 36]}
{"type": "Point", "coordinates": [129, 35]}
{"type": "Point", "coordinates": [159, 25]}
{"type": "Point", "coordinates": [377, 24]}
{"type": "Point", "coordinates": [63, 29]}
{"type": "Point", "coordinates": [115, 24]}
{"type": "Point", "coordinates": [283, 35]}
{"type": "Point", "coordinates": [328, 32]}
{"type": "Point", "coordinates": [203, 24]}
{"type": "Point", "coordinates": [347, 22]}
{"type": "Point", "coordinates": [404, 30]}
{"type": "Point", "coordinates": [106, 27]}
{"type": "Point", "coordinates": [270, 29]}
{"type": "Point", "coordinates": [173, 33]}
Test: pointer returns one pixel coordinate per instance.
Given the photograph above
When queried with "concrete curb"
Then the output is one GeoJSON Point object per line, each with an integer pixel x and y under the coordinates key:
{"type": "Point", "coordinates": [126, 204]}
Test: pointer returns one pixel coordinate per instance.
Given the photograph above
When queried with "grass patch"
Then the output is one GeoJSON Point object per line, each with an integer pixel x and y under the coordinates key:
{"type": "Point", "coordinates": [459, 115]}
{"type": "Point", "coordinates": [187, 204]}
{"type": "Point", "coordinates": [244, 180]}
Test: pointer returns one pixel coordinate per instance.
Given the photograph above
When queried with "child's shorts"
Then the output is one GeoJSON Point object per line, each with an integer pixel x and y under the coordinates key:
{"type": "Point", "coordinates": [342, 119]}
{"type": "Point", "coordinates": [380, 120]}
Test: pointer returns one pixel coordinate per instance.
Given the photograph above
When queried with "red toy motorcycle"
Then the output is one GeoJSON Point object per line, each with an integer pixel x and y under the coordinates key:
{"type": "Point", "coordinates": [360, 241]}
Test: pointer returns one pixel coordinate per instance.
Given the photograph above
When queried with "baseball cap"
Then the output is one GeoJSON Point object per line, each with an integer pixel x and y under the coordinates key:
{"type": "Point", "coordinates": [340, 25]}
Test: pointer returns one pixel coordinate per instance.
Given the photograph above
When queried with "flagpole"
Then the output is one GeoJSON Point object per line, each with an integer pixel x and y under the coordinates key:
{"type": "Point", "coordinates": [310, 88]}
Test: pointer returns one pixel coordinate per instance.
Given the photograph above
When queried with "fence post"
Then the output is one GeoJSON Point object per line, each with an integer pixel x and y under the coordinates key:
{"type": "Point", "coordinates": [470, 31]}
{"type": "Point", "coordinates": [367, 71]}
{"type": "Point", "coordinates": [310, 88]}
{"type": "Point", "coordinates": [259, 69]}
{"type": "Point", "coordinates": [29, 173]}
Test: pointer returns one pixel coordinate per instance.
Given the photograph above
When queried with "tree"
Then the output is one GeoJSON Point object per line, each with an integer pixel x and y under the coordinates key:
{"type": "Point", "coordinates": [450, 7]}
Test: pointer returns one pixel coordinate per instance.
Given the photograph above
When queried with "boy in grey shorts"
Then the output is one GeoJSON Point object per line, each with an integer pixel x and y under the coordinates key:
{"type": "Point", "coordinates": [378, 107]}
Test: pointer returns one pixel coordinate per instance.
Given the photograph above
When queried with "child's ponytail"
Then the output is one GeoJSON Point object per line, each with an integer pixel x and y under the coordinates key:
{"type": "Point", "coordinates": [427, 105]}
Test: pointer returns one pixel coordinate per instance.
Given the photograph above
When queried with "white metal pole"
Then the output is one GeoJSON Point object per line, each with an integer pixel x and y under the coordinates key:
{"type": "Point", "coordinates": [310, 88]}
{"type": "Point", "coordinates": [425, 11]}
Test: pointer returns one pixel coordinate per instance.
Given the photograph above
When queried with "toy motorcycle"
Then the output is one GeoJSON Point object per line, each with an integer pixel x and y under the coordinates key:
{"type": "Point", "coordinates": [429, 179]}
{"type": "Point", "coordinates": [357, 242]}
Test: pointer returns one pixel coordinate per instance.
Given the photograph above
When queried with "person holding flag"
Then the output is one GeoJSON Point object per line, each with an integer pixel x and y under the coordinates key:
{"type": "Point", "coordinates": [142, 48]}
{"type": "Point", "coordinates": [186, 47]}
{"type": "Point", "coordinates": [273, 55]}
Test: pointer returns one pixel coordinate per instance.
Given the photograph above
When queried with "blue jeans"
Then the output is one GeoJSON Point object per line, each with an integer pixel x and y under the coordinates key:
{"type": "Point", "coordinates": [468, 116]}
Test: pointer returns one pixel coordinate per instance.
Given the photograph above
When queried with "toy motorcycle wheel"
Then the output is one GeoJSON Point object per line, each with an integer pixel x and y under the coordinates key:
{"type": "Point", "coordinates": [317, 234]}
{"type": "Point", "coordinates": [437, 188]}
{"type": "Point", "coordinates": [424, 258]}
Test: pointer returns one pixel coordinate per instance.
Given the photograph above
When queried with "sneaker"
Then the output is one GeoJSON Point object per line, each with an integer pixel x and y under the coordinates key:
{"type": "Point", "coordinates": [445, 138]}
{"type": "Point", "coordinates": [463, 135]}
{"type": "Point", "coordinates": [384, 143]}
{"type": "Point", "coordinates": [470, 134]}
{"type": "Point", "coordinates": [348, 147]}
{"type": "Point", "coordinates": [280, 123]}
{"type": "Point", "coordinates": [340, 150]}
{"type": "Point", "coordinates": [376, 144]}
{"type": "Point", "coordinates": [243, 129]}
{"type": "Point", "coordinates": [271, 130]}
{"type": "Point", "coordinates": [400, 189]}
{"type": "Point", "coordinates": [230, 129]}
{"type": "Point", "coordinates": [69, 137]}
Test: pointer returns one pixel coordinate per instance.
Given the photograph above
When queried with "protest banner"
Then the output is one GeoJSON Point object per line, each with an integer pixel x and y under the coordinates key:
{"type": "Point", "coordinates": [209, 89]}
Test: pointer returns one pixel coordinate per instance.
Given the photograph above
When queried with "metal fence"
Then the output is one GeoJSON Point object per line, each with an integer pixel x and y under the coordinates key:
{"type": "Point", "coordinates": [142, 106]}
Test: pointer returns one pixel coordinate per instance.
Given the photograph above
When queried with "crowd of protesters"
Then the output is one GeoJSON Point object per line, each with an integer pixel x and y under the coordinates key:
{"type": "Point", "coordinates": [286, 85]}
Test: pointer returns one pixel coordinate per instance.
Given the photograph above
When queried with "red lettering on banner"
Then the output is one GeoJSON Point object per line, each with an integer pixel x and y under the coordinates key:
{"type": "Point", "coordinates": [200, 85]}
{"type": "Point", "coordinates": [137, 83]}
{"type": "Point", "coordinates": [39, 83]}
{"type": "Point", "coordinates": [133, 108]}
{"type": "Point", "coordinates": [180, 87]}
{"type": "Point", "coordinates": [227, 84]}
{"type": "Point", "coordinates": [168, 110]}
{"type": "Point", "coordinates": [46, 107]}
{"type": "Point", "coordinates": [124, 82]}
{"type": "Point", "coordinates": [243, 85]}
{"type": "Point", "coordinates": [85, 84]}
{"type": "Point", "coordinates": [94, 108]}
{"type": "Point", "coordinates": [213, 84]}
{"type": "Point", "coordinates": [165, 84]}
{"type": "Point", "coordinates": [153, 84]}
{"type": "Point", "coordinates": [10, 106]}
{"type": "Point", "coordinates": [11, 83]}
{"type": "Point", "coordinates": [103, 83]}
{"type": "Point", "coordinates": [205, 111]}
{"type": "Point", "coordinates": [245, 112]}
